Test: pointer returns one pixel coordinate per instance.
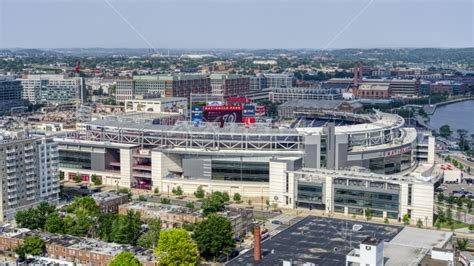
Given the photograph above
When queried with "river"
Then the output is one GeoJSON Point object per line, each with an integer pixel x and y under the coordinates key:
{"type": "Point", "coordinates": [458, 115]}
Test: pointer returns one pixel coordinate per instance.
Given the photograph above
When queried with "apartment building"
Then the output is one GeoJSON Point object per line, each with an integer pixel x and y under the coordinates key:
{"type": "Point", "coordinates": [229, 85]}
{"type": "Point", "coordinates": [80, 250]}
{"type": "Point", "coordinates": [55, 89]}
{"type": "Point", "coordinates": [10, 93]}
{"type": "Point", "coordinates": [173, 216]}
{"type": "Point", "coordinates": [109, 202]}
{"type": "Point", "coordinates": [169, 85]}
{"type": "Point", "coordinates": [29, 172]}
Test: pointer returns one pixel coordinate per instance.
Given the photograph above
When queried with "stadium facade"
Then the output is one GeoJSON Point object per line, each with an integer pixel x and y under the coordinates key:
{"type": "Point", "coordinates": [337, 162]}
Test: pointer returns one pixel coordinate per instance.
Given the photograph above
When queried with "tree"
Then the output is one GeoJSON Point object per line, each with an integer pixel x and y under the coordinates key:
{"type": "Point", "coordinates": [54, 224]}
{"type": "Point", "coordinates": [77, 179]}
{"type": "Point", "coordinates": [212, 203]}
{"type": "Point", "coordinates": [178, 191]}
{"type": "Point", "coordinates": [142, 198]}
{"type": "Point", "coordinates": [35, 218]}
{"type": "Point", "coordinates": [469, 205]}
{"type": "Point", "coordinates": [85, 205]}
{"type": "Point", "coordinates": [126, 228]}
{"type": "Point", "coordinates": [213, 236]}
{"type": "Point", "coordinates": [419, 223]}
{"type": "Point", "coordinates": [150, 238]}
{"type": "Point", "coordinates": [80, 225]}
{"type": "Point", "coordinates": [225, 196]}
{"type": "Point", "coordinates": [441, 215]}
{"type": "Point", "coordinates": [156, 190]}
{"type": "Point", "coordinates": [176, 247]}
{"type": "Point", "coordinates": [236, 197]}
{"type": "Point", "coordinates": [445, 131]}
{"type": "Point", "coordinates": [460, 202]}
{"type": "Point", "coordinates": [449, 216]}
{"type": "Point", "coordinates": [125, 258]}
{"type": "Point", "coordinates": [368, 214]}
{"type": "Point", "coordinates": [104, 226]}
{"type": "Point", "coordinates": [386, 220]}
{"type": "Point", "coordinates": [438, 224]}
{"type": "Point", "coordinates": [190, 205]}
{"type": "Point", "coordinates": [440, 197]}
{"type": "Point", "coordinates": [406, 219]}
{"type": "Point", "coordinates": [96, 180]}
{"type": "Point", "coordinates": [199, 193]}
{"type": "Point", "coordinates": [32, 245]}
{"type": "Point", "coordinates": [462, 243]}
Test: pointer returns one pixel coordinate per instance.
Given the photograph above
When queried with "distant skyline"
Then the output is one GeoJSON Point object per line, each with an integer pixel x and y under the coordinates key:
{"type": "Point", "coordinates": [252, 24]}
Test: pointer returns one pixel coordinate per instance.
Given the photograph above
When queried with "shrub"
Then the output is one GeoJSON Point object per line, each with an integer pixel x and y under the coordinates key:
{"type": "Point", "coordinates": [165, 201]}
{"type": "Point", "coordinates": [236, 197]}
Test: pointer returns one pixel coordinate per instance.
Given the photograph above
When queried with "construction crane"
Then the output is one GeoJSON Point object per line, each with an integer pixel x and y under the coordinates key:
{"type": "Point", "coordinates": [77, 68]}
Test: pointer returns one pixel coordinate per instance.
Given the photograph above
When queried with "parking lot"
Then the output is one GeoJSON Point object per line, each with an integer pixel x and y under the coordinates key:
{"type": "Point", "coordinates": [318, 240]}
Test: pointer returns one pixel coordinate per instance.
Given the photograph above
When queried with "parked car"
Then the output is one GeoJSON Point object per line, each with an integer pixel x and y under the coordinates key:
{"type": "Point", "coordinates": [276, 222]}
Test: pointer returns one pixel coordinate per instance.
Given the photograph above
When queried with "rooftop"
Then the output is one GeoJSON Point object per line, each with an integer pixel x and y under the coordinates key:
{"type": "Point", "coordinates": [318, 240]}
{"type": "Point", "coordinates": [80, 243]}
{"type": "Point", "coordinates": [107, 195]}
{"type": "Point", "coordinates": [159, 208]}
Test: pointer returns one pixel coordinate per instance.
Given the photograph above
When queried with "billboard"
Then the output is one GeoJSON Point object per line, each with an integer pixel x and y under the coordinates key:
{"type": "Point", "coordinates": [234, 100]}
{"type": "Point", "coordinates": [223, 114]}
{"type": "Point", "coordinates": [249, 110]}
{"type": "Point", "coordinates": [197, 114]}
{"type": "Point", "coordinates": [260, 110]}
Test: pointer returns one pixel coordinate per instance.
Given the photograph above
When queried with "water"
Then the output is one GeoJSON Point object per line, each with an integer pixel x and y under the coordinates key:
{"type": "Point", "coordinates": [457, 115]}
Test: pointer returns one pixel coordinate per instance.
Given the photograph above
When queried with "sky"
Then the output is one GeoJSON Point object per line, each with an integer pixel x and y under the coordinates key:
{"type": "Point", "coordinates": [253, 24]}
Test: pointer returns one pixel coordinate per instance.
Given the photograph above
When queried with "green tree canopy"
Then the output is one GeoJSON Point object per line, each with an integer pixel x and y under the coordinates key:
{"type": "Point", "coordinates": [150, 238]}
{"type": "Point", "coordinates": [35, 218]}
{"type": "Point", "coordinates": [176, 247]}
{"type": "Point", "coordinates": [85, 205]}
{"type": "Point", "coordinates": [125, 258]}
{"type": "Point", "coordinates": [236, 197]}
{"type": "Point", "coordinates": [32, 245]}
{"type": "Point", "coordinates": [445, 131]}
{"type": "Point", "coordinates": [199, 193]}
{"type": "Point", "coordinates": [54, 224]}
{"type": "Point", "coordinates": [104, 226]}
{"type": "Point", "coordinates": [212, 203]}
{"type": "Point", "coordinates": [126, 228]}
{"type": "Point", "coordinates": [213, 236]}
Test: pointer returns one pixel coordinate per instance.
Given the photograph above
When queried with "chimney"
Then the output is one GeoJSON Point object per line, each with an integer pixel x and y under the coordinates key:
{"type": "Point", "coordinates": [361, 71]}
{"type": "Point", "coordinates": [356, 72]}
{"type": "Point", "coordinates": [257, 250]}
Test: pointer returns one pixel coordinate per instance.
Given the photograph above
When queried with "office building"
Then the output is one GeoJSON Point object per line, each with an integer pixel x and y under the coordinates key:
{"type": "Point", "coordinates": [10, 93]}
{"type": "Point", "coordinates": [229, 85]}
{"type": "Point", "coordinates": [284, 80]}
{"type": "Point", "coordinates": [257, 83]}
{"type": "Point", "coordinates": [404, 88]}
{"type": "Point", "coordinates": [166, 85]}
{"type": "Point", "coordinates": [53, 89]}
{"type": "Point", "coordinates": [30, 172]}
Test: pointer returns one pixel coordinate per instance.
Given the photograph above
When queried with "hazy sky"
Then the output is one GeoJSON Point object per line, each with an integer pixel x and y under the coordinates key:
{"type": "Point", "coordinates": [236, 23]}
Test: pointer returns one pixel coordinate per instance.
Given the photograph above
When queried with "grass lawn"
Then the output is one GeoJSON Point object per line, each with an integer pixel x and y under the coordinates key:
{"type": "Point", "coordinates": [456, 225]}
